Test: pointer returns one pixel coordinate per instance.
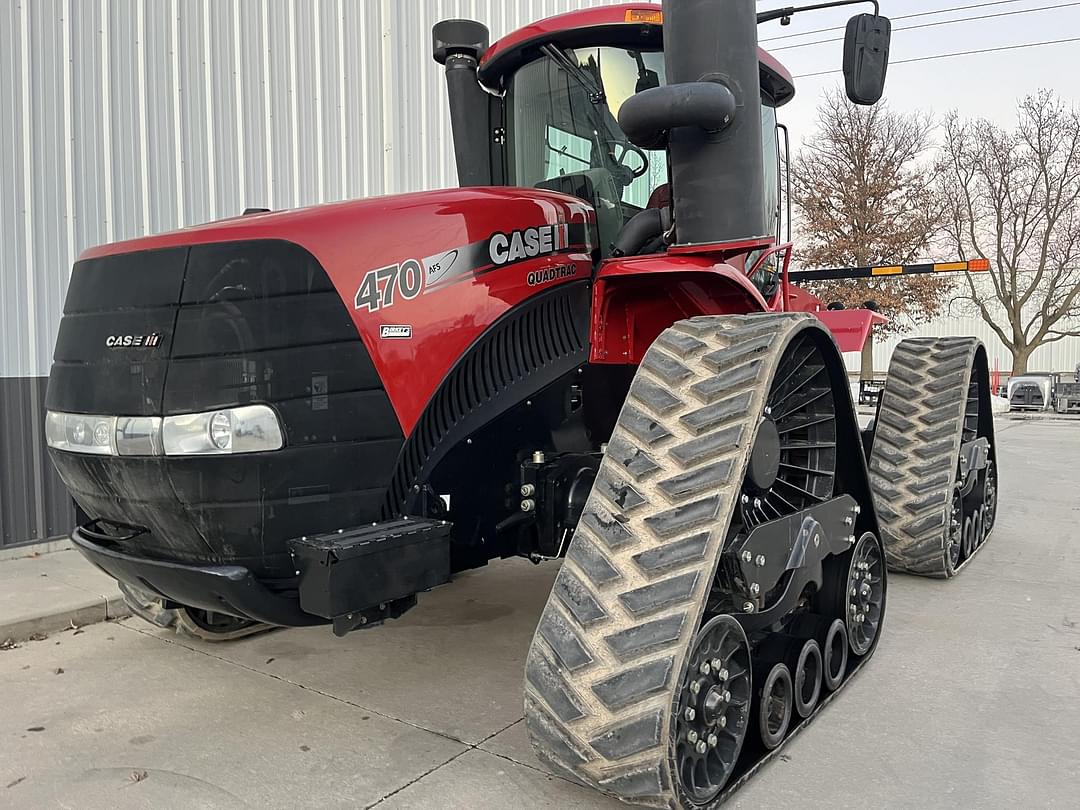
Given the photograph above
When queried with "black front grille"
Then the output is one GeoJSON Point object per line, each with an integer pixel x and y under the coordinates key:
{"type": "Point", "coordinates": [241, 323]}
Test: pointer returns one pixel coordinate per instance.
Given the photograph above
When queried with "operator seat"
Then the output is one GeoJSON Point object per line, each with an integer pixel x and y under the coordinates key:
{"type": "Point", "coordinates": [660, 197]}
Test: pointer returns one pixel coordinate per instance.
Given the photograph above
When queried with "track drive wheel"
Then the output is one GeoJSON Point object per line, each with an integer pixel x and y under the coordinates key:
{"type": "Point", "coordinates": [638, 680]}
{"type": "Point", "coordinates": [206, 625]}
{"type": "Point", "coordinates": [936, 398]}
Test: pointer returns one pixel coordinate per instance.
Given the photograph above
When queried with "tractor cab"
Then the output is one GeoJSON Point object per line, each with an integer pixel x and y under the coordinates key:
{"type": "Point", "coordinates": [549, 98]}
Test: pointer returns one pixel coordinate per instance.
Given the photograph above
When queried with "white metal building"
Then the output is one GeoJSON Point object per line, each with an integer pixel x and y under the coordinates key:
{"type": "Point", "coordinates": [127, 117]}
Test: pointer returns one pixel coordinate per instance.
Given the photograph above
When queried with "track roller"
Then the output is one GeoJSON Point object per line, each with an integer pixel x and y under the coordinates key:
{"type": "Point", "coordinates": [713, 555]}
{"type": "Point", "coordinates": [807, 678]}
{"type": "Point", "coordinates": [775, 705]}
{"type": "Point", "coordinates": [934, 437]}
{"type": "Point", "coordinates": [835, 655]}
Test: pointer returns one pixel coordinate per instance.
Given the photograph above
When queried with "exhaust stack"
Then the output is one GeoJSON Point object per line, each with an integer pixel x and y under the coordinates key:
{"type": "Point", "coordinates": [458, 46]}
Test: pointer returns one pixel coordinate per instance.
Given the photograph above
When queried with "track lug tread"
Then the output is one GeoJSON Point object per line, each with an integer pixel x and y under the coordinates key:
{"type": "Point", "coordinates": [565, 642]}
{"type": "Point", "coordinates": [655, 397]}
{"type": "Point", "coordinates": [719, 413]}
{"type": "Point", "coordinates": [657, 596]}
{"type": "Point", "coordinates": [641, 638]}
{"type": "Point", "coordinates": [543, 676]}
{"type": "Point", "coordinates": [578, 599]}
{"type": "Point", "coordinates": [592, 561]}
{"type": "Point", "coordinates": [631, 737]}
{"type": "Point", "coordinates": [666, 367]}
{"type": "Point", "coordinates": [697, 480]}
{"type": "Point", "coordinates": [682, 518]}
{"type": "Point", "coordinates": [634, 460]}
{"type": "Point", "coordinates": [611, 529]}
{"type": "Point", "coordinates": [709, 445]}
{"type": "Point", "coordinates": [672, 554]}
{"type": "Point", "coordinates": [631, 686]}
{"type": "Point", "coordinates": [711, 389]}
{"type": "Point", "coordinates": [646, 429]}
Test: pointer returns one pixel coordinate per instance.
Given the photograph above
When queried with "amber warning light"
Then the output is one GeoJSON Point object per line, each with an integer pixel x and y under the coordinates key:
{"type": "Point", "coordinates": [975, 265]}
{"type": "Point", "coordinates": [644, 15]}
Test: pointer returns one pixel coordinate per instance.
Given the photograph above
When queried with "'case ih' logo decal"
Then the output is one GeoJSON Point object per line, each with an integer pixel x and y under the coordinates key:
{"type": "Point", "coordinates": [133, 341]}
{"type": "Point", "coordinates": [528, 243]}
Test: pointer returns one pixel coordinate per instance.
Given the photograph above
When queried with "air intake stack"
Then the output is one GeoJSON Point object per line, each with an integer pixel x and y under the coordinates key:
{"type": "Point", "coordinates": [709, 116]}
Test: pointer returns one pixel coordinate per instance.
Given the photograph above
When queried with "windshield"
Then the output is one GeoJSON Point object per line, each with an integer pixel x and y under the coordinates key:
{"type": "Point", "coordinates": [563, 120]}
{"type": "Point", "coordinates": [563, 134]}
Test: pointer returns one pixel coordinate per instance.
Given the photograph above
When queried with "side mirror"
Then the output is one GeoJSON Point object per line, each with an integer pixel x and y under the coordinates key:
{"type": "Point", "coordinates": [647, 80]}
{"type": "Point", "coordinates": [866, 57]}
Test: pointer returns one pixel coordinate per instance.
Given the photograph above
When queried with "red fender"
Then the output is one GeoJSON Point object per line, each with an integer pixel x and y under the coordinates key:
{"type": "Point", "coordinates": [635, 299]}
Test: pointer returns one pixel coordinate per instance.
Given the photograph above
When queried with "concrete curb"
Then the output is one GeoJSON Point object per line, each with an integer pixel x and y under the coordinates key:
{"type": "Point", "coordinates": [90, 611]}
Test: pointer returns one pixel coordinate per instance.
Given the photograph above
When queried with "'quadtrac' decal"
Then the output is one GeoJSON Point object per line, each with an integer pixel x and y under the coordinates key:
{"type": "Point", "coordinates": [549, 274]}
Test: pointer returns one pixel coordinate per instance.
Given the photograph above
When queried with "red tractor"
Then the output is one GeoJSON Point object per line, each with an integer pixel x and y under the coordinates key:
{"type": "Point", "coordinates": [591, 351]}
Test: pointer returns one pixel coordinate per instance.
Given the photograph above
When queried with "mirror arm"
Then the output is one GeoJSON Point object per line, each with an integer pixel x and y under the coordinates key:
{"type": "Point", "coordinates": [784, 14]}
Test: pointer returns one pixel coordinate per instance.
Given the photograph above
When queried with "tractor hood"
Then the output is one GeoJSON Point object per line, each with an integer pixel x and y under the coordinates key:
{"type": "Point", "coordinates": [401, 269]}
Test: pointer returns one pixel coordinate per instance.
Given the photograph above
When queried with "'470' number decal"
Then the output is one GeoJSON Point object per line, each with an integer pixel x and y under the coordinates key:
{"type": "Point", "coordinates": [379, 288]}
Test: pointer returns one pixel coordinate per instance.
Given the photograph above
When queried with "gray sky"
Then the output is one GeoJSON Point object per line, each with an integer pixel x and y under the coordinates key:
{"type": "Point", "coordinates": [984, 85]}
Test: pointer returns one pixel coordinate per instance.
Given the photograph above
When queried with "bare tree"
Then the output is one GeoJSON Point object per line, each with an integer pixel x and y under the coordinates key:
{"type": "Point", "coordinates": [1014, 198]}
{"type": "Point", "coordinates": [866, 196]}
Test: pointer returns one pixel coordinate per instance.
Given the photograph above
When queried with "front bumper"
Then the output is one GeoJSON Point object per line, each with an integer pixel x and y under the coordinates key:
{"type": "Point", "coordinates": [231, 589]}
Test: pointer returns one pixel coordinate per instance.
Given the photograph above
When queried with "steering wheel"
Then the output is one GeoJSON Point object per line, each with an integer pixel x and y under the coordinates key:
{"type": "Point", "coordinates": [620, 158]}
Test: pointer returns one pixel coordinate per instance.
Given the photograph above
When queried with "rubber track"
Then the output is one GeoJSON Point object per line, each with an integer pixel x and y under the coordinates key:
{"type": "Point", "coordinates": [611, 644]}
{"type": "Point", "coordinates": [916, 449]}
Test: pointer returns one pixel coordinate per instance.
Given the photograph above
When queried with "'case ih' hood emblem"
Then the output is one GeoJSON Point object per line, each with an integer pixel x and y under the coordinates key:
{"type": "Point", "coordinates": [133, 341]}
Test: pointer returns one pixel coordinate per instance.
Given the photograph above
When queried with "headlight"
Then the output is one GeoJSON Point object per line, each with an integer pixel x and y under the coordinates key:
{"type": "Point", "coordinates": [81, 433]}
{"type": "Point", "coordinates": [249, 429]}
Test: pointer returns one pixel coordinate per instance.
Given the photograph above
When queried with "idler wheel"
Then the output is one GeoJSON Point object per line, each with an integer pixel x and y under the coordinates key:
{"type": "Point", "coordinates": [835, 655]}
{"type": "Point", "coordinates": [775, 706]}
{"type": "Point", "coordinates": [865, 595]}
{"type": "Point", "coordinates": [712, 709]}
{"type": "Point", "coordinates": [808, 678]}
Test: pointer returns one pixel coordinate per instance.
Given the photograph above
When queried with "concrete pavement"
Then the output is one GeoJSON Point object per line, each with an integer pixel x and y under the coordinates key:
{"type": "Point", "coordinates": [972, 700]}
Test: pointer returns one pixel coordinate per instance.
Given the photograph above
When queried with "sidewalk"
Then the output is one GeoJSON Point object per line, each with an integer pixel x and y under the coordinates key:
{"type": "Point", "coordinates": [47, 593]}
